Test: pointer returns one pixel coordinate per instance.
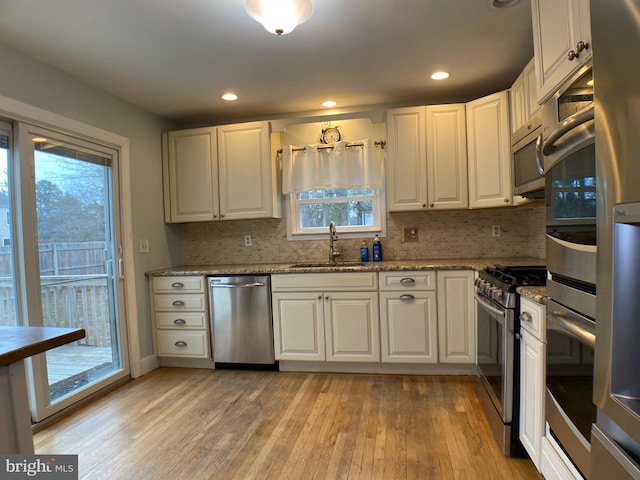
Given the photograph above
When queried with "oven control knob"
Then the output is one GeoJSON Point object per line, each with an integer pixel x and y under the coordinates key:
{"type": "Point", "coordinates": [499, 295]}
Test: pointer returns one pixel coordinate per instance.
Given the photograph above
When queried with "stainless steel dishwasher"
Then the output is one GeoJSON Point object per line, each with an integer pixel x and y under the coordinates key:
{"type": "Point", "coordinates": [241, 322]}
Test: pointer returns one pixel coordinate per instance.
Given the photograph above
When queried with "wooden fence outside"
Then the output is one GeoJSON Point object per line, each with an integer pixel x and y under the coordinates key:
{"type": "Point", "coordinates": [75, 290]}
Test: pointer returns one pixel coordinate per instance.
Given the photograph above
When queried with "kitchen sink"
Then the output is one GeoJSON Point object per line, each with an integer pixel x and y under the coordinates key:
{"type": "Point", "coordinates": [327, 265]}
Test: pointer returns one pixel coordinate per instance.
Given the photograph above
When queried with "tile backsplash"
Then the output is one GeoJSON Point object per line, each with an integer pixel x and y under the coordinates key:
{"type": "Point", "coordinates": [442, 235]}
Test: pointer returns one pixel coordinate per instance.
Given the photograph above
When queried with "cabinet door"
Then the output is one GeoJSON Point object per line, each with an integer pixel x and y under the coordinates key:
{"type": "Point", "coordinates": [489, 151]}
{"type": "Point", "coordinates": [531, 395]}
{"type": "Point", "coordinates": [408, 323]}
{"type": "Point", "coordinates": [246, 183]}
{"type": "Point", "coordinates": [190, 172]}
{"type": "Point", "coordinates": [352, 327]}
{"type": "Point", "coordinates": [298, 326]}
{"type": "Point", "coordinates": [456, 317]}
{"type": "Point", "coordinates": [518, 105]}
{"type": "Point", "coordinates": [447, 157]}
{"type": "Point", "coordinates": [530, 89]}
{"type": "Point", "coordinates": [558, 26]}
{"type": "Point", "coordinates": [406, 159]}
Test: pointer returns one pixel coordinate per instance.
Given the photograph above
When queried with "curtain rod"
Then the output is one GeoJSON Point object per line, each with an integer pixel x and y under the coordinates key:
{"type": "Point", "coordinates": [380, 143]}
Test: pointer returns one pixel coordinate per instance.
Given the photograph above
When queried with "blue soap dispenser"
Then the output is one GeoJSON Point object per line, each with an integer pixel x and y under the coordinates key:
{"type": "Point", "coordinates": [377, 249]}
{"type": "Point", "coordinates": [364, 252]}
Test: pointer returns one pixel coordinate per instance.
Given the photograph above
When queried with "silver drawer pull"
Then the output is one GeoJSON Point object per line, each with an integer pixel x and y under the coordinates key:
{"type": "Point", "coordinates": [180, 343]}
{"type": "Point", "coordinates": [178, 303]}
{"type": "Point", "coordinates": [407, 281]}
{"type": "Point", "coordinates": [407, 297]}
{"type": "Point", "coordinates": [177, 285]}
{"type": "Point", "coordinates": [179, 321]}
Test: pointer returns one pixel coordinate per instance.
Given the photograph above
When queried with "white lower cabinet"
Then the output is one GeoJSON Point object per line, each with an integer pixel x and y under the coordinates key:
{"type": "Point", "coordinates": [351, 327]}
{"type": "Point", "coordinates": [408, 317]}
{"type": "Point", "coordinates": [414, 317]}
{"type": "Point", "coordinates": [326, 317]}
{"type": "Point", "coordinates": [179, 306]}
{"type": "Point", "coordinates": [531, 395]}
{"type": "Point", "coordinates": [532, 382]}
{"type": "Point", "coordinates": [298, 326]}
{"type": "Point", "coordinates": [456, 317]}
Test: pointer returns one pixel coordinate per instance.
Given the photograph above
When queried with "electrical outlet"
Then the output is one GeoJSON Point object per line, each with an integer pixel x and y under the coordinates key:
{"type": "Point", "coordinates": [410, 234]}
{"type": "Point", "coordinates": [143, 245]}
{"type": "Point", "coordinates": [248, 241]}
{"type": "Point", "coordinates": [495, 230]}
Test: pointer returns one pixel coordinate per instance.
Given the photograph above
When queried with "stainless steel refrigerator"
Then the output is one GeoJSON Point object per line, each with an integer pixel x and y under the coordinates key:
{"type": "Point", "coordinates": [615, 439]}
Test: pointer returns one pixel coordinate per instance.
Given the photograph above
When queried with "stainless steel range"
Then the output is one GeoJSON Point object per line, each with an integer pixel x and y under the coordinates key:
{"type": "Point", "coordinates": [498, 351]}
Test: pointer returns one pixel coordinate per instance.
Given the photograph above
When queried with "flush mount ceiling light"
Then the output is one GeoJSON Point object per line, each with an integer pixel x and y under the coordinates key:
{"type": "Point", "coordinates": [279, 16]}
{"type": "Point", "coordinates": [229, 97]}
{"type": "Point", "coordinates": [329, 104]}
{"type": "Point", "coordinates": [440, 75]}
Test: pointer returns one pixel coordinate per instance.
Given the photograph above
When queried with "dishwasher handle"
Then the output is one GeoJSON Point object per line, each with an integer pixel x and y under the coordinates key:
{"type": "Point", "coordinates": [236, 285]}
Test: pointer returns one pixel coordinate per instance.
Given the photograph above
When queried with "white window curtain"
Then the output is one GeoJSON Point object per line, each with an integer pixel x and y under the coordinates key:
{"type": "Point", "coordinates": [342, 166]}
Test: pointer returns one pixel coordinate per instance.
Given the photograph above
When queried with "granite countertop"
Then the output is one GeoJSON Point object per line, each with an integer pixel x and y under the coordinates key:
{"type": "Point", "coordinates": [320, 267]}
{"type": "Point", "coordinates": [537, 294]}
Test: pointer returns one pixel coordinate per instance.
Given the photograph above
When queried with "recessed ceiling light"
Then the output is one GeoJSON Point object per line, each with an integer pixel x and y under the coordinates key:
{"type": "Point", "coordinates": [229, 97]}
{"type": "Point", "coordinates": [440, 75]}
{"type": "Point", "coordinates": [329, 104]}
{"type": "Point", "coordinates": [39, 140]}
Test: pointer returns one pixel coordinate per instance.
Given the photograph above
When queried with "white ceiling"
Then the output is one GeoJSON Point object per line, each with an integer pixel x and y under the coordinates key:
{"type": "Point", "coordinates": [176, 57]}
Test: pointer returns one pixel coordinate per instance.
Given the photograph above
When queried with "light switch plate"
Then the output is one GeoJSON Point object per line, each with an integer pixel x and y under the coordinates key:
{"type": "Point", "coordinates": [143, 245]}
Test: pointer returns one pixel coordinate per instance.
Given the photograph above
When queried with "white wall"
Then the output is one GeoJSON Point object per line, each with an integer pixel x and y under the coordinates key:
{"type": "Point", "coordinates": [51, 89]}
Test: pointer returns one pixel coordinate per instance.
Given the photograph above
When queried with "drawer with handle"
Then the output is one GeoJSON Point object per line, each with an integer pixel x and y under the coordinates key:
{"type": "Point", "coordinates": [407, 280]}
{"type": "Point", "coordinates": [176, 284]}
{"type": "Point", "coordinates": [181, 320]}
{"type": "Point", "coordinates": [187, 302]}
{"type": "Point", "coordinates": [183, 344]}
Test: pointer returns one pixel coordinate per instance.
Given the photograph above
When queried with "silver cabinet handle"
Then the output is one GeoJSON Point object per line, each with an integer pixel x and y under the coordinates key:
{"type": "Point", "coordinates": [526, 317]}
{"type": "Point", "coordinates": [179, 321]}
{"type": "Point", "coordinates": [177, 285]}
{"type": "Point", "coordinates": [178, 303]}
{"type": "Point", "coordinates": [407, 281]}
{"type": "Point", "coordinates": [236, 285]}
{"type": "Point", "coordinates": [407, 297]}
{"type": "Point", "coordinates": [581, 46]}
{"type": "Point", "coordinates": [180, 343]}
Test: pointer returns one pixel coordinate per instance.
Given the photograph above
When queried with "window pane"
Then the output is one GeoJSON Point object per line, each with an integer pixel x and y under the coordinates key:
{"type": "Point", "coordinates": [354, 213]}
{"type": "Point", "coordinates": [336, 193]}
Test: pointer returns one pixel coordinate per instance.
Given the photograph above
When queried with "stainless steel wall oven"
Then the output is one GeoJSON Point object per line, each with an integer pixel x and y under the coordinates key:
{"type": "Point", "coordinates": [571, 196]}
{"type": "Point", "coordinates": [498, 351]}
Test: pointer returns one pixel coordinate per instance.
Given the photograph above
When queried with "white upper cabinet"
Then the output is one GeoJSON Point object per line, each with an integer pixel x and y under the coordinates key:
{"type": "Point", "coordinates": [524, 97]}
{"type": "Point", "coordinates": [561, 41]}
{"type": "Point", "coordinates": [220, 173]}
{"type": "Point", "coordinates": [406, 159]}
{"type": "Point", "coordinates": [245, 169]}
{"type": "Point", "coordinates": [447, 157]}
{"type": "Point", "coordinates": [190, 175]}
{"type": "Point", "coordinates": [489, 151]}
{"type": "Point", "coordinates": [427, 158]}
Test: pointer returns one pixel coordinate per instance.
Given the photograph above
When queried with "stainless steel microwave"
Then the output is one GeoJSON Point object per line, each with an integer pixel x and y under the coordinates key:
{"type": "Point", "coordinates": [528, 170]}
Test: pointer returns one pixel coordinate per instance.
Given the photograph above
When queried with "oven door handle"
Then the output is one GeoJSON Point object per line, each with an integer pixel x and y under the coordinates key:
{"type": "Point", "coordinates": [573, 325]}
{"type": "Point", "coordinates": [490, 308]}
{"type": "Point", "coordinates": [566, 126]}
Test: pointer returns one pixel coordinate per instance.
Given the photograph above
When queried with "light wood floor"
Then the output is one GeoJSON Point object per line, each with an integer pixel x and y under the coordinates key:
{"type": "Point", "coordinates": [204, 424]}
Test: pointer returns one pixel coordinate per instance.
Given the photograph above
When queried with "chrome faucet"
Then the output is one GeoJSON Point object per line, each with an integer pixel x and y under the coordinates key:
{"type": "Point", "coordinates": [333, 237]}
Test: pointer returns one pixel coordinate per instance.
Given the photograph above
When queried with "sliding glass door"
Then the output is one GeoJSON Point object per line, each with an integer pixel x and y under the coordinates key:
{"type": "Point", "coordinates": [69, 205]}
{"type": "Point", "coordinates": [8, 305]}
